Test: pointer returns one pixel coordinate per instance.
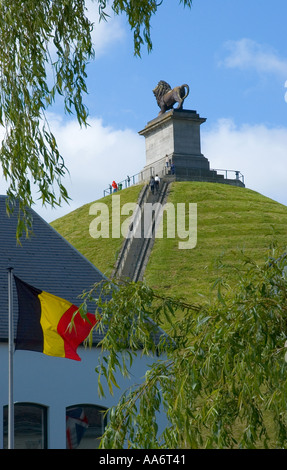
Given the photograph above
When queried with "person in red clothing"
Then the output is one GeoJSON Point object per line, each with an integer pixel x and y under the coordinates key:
{"type": "Point", "coordinates": [115, 186]}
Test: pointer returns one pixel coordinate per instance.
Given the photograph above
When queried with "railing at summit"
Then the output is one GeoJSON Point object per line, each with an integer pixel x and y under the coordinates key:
{"type": "Point", "coordinates": [128, 181]}
{"type": "Point", "coordinates": [145, 176]}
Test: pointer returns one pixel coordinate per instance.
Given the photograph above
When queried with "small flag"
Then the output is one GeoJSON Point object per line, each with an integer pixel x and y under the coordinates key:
{"type": "Point", "coordinates": [44, 323]}
{"type": "Point", "coordinates": [76, 426]}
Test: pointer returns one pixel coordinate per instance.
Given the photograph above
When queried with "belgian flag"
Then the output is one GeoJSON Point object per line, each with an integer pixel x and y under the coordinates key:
{"type": "Point", "coordinates": [49, 324]}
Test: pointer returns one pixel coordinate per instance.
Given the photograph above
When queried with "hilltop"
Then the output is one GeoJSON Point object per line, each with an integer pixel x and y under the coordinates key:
{"type": "Point", "coordinates": [229, 219]}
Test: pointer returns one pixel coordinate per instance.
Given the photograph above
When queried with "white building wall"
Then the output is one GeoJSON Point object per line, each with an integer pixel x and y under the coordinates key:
{"type": "Point", "coordinates": [58, 383]}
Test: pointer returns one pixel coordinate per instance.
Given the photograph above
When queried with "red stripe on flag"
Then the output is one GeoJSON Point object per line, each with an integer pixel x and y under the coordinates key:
{"type": "Point", "coordinates": [74, 334]}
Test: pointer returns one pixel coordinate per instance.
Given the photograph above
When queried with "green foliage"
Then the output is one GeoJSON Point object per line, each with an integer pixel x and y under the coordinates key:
{"type": "Point", "coordinates": [221, 375]}
{"type": "Point", "coordinates": [139, 14]}
{"type": "Point", "coordinates": [30, 78]}
{"type": "Point", "coordinates": [45, 48]}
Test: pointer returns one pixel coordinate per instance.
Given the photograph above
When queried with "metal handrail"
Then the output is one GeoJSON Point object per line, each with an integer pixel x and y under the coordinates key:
{"type": "Point", "coordinates": [128, 239]}
{"type": "Point", "coordinates": [138, 178]}
{"type": "Point", "coordinates": [128, 181]}
{"type": "Point", "coordinates": [238, 175]}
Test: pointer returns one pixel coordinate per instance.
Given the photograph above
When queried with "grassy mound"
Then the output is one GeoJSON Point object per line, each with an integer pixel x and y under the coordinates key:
{"type": "Point", "coordinates": [229, 219]}
{"type": "Point", "coordinates": [75, 228]}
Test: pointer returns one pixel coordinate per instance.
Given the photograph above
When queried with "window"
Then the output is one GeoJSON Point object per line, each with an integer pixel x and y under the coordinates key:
{"type": "Point", "coordinates": [30, 426]}
{"type": "Point", "coordinates": [85, 425]}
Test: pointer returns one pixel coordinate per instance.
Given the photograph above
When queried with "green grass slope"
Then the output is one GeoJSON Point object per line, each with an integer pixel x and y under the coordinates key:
{"type": "Point", "coordinates": [75, 228]}
{"type": "Point", "coordinates": [229, 218]}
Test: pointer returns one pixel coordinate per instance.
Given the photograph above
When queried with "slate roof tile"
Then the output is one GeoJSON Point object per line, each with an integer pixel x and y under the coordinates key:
{"type": "Point", "coordinates": [46, 261]}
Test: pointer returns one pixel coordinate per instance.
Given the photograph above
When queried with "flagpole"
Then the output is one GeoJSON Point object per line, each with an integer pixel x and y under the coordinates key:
{"type": "Point", "coordinates": [11, 353]}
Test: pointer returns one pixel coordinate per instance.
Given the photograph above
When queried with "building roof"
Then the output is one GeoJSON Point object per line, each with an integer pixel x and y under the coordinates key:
{"type": "Point", "coordinates": [45, 260]}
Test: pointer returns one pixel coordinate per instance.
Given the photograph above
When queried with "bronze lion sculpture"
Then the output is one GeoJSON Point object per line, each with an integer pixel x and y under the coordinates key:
{"type": "Point", "coordinates": [167, 97]}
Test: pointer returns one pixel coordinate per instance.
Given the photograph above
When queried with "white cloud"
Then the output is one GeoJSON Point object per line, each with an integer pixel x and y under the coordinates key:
{"type": "Point", "coordinates": [259, 152]}
{"type": "Point", "coordinates": [95, 156]}
{"type": "Point", "coordinates": [248, 54]}
{"type": "Point", "coordinates": [98, 154]}
{"type": "Point", "coordinates": [105, 33]}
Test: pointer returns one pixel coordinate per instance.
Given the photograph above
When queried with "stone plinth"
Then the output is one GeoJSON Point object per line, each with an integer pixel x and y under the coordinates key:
{"type": "Point", "coordinates": [175, 134]}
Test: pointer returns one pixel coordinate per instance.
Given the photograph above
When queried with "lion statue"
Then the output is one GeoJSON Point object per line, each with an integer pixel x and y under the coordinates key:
{"type": "Point", "coordinates": [167, 97]}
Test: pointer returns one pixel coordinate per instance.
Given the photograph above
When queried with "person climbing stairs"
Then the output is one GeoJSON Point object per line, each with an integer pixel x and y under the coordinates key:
{"type": "Point", "coordinates": [137, 246]}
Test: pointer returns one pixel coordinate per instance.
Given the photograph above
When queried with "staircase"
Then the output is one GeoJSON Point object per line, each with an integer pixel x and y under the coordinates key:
{"type": "Point", "coordinates": [137, 246]}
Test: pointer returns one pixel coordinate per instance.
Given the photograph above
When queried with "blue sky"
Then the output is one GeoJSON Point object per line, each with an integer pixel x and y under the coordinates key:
{"type": "Point", "coordinates": [233, 56]}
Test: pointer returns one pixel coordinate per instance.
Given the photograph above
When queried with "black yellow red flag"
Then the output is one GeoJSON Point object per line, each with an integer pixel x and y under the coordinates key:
{"type": "Point", "coordinates": [49, 324]}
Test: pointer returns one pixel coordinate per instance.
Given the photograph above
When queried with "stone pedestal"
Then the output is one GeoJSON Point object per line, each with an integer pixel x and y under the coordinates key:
{"type": "Point", "coordinates": [175, 134]}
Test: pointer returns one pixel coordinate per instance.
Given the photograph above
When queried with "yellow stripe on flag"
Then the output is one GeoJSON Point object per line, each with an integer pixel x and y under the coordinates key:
{"type": "Point", "coordinates": [52, 309]}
